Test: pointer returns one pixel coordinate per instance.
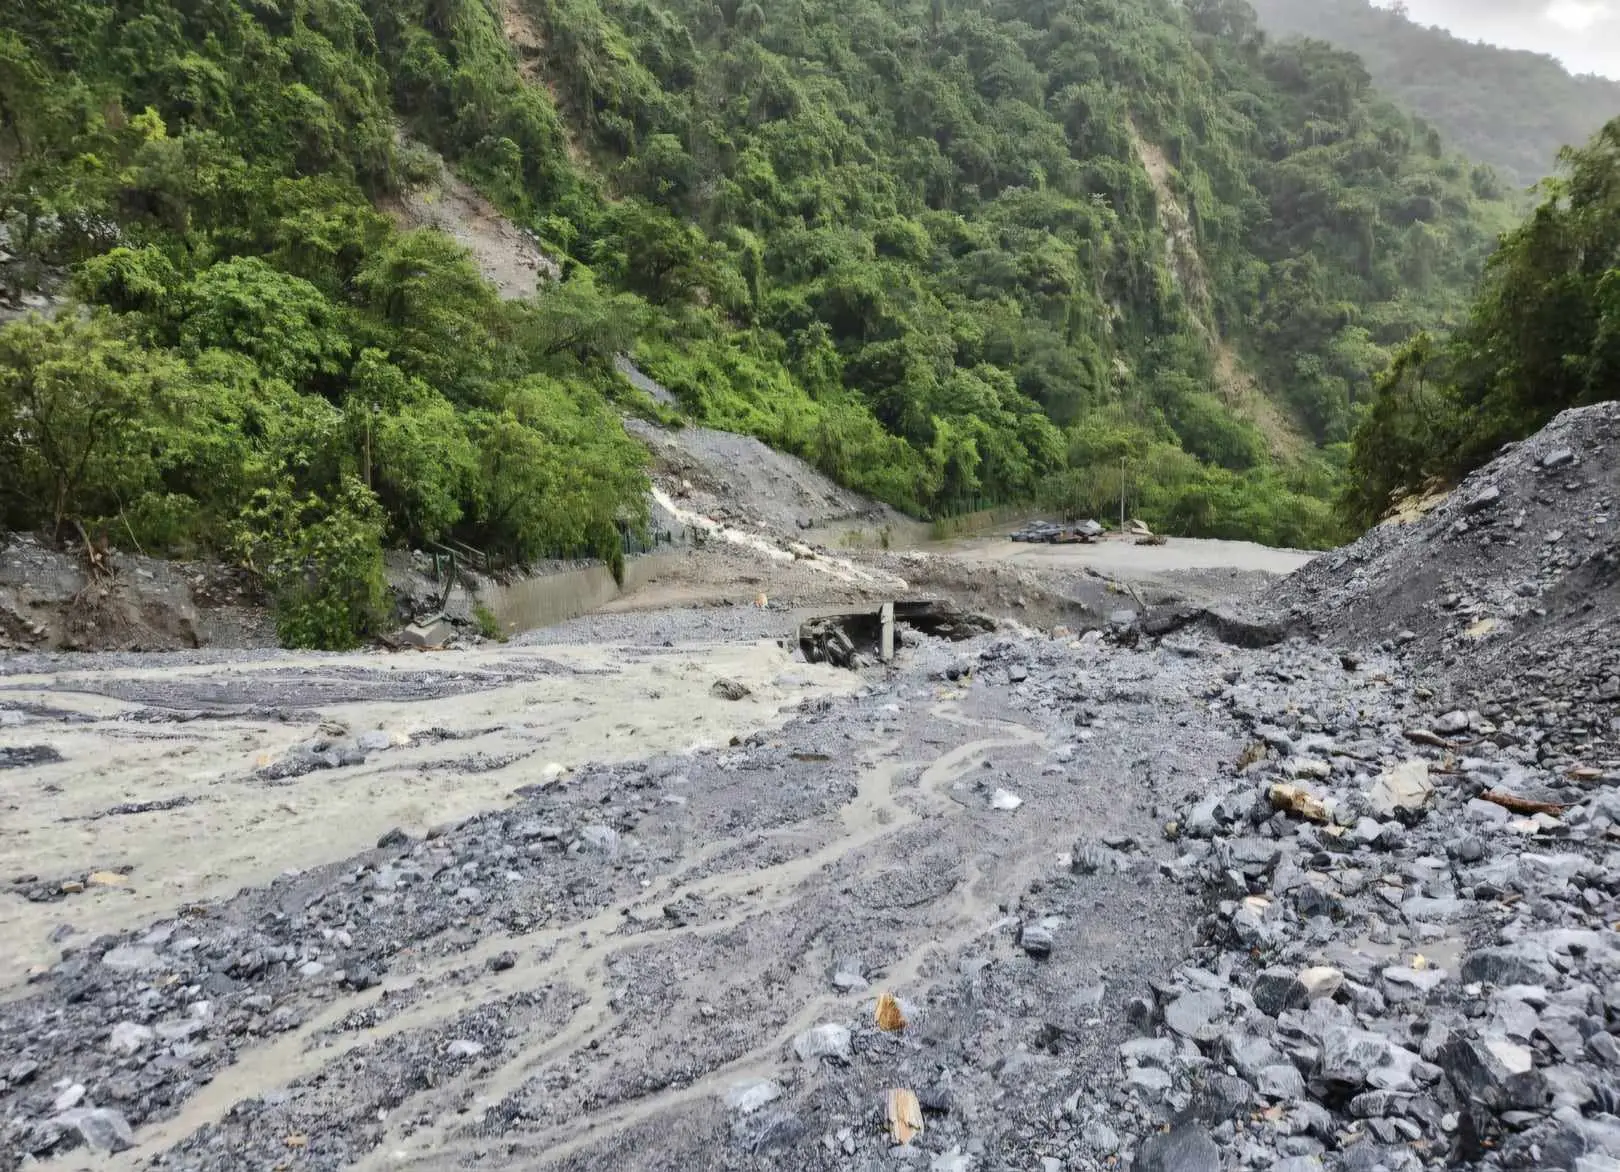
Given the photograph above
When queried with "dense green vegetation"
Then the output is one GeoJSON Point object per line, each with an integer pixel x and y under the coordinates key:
{"type": "Point", "coordinates": [915, 243]}
{"type": "Point", "coordinates": [1512, 109]}
{"type": "Point", "coordinates": [1543, 336]}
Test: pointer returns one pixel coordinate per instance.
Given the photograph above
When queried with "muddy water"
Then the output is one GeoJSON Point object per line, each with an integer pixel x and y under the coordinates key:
{"type": "Point", "coordinates": [463, 729]}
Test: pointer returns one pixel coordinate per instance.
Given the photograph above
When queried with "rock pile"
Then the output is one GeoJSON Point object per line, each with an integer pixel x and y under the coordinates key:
{"type": "Point", "coordinates": [1397, 972]}
{"type": "Point", "coordinates": [1507, 594]}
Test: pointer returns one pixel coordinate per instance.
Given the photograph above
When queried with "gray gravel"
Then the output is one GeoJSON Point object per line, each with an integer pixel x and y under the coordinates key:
{"type": "Point", "coordinates": [1507, 595]}
{"type": "Point", "coordinates": [1146, 899]}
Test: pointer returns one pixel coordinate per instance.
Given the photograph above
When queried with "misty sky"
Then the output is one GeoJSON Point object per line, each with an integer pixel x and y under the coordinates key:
{"type": "Point", "coordinates": [1583, 34]}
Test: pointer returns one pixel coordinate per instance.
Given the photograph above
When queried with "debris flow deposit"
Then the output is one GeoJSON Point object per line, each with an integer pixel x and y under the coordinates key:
{"type": "Point", "coordinates": [1320, 877]}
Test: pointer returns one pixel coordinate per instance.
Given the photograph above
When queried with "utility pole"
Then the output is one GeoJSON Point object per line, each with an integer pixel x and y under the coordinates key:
{"type": "Point", "coordinates": [368, 416]}
{"type": "Point", "coordinates": [1122, 494]}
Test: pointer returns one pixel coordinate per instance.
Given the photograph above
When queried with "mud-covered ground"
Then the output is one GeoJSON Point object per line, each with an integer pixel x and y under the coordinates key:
{"type": "Point", "coordinates": [584, 975]}
{"type": "Point", "coordinates": [1143, 901]}
{"type": "Point", "coordinates": [178, 780]}
{"type": "Point", "coordinates": [1138, 898]}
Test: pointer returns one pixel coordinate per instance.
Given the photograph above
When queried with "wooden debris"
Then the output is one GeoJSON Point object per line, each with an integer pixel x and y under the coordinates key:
{"type": "Point", "coordinates": [904, 1115]}
{"type": "Point", "coordinates": [889, 1015]}
{"type": "Point", "coordinates": [1423, 736]}
{"type": "Point", "coordinates": [1299, 802]}
{"type": "Point", "coordinates": [1520, 805]}
{"type": "Point", "coordinates": [107, 879]}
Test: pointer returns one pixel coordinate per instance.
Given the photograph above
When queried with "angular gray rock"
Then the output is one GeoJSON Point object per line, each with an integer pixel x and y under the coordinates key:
{"type": "Point", "coordinates": [1194, 1015]}
{"type": "Point", "coordinates": [1281, 1081]}
{"type": "Point", "coordinates": [1277, 989]}
{"type": "Point", "coordinates": [1187, 1148]}
{"type": "Point", "coordinates": [1036, 939]}
{"type": "Point", "coordinates": [1512, 964]}
{"type": "Point", "coordinates": [98, 1128]}
{"type": "Point", "coordinates": [729, 689]}
{"type": "Point", "coordinates": [129, 1038]}
{"type": "Point", "coordinates": [1403, 791]}
{"type": "Point", "coordinates": [830, 1040]}
{"type": "Point", "coordinates": [751, 1096]}
{"type": "Point", "coordinates": [1495, 1072]}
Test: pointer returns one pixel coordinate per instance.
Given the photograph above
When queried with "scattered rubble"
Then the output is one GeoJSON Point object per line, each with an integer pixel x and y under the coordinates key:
{"type": "Point", "coordinates": [1504, 595]}
{"type": "Point", "coordinates": [1183, 894]}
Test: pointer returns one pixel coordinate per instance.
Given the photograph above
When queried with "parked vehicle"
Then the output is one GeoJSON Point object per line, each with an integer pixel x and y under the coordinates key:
{"type": "Point", "coordinates": [1059, 533]}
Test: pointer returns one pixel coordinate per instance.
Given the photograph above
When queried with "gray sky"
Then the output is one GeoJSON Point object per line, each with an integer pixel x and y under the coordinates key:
{"type": "Point", "coordinates": [1583, 34]}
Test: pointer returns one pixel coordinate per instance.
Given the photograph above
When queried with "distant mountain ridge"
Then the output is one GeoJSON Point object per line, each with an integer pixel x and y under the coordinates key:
{"type": "Point", "coordinates": [1510, 108]}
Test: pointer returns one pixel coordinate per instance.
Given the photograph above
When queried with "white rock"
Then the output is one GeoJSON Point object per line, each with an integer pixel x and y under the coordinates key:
{"type": "Point", "coordinates": [127, 1038]}
{"type": "Point", "coordinates": [1452, 722]}
{"type": "Point", "coordinates": [751, 1096]}
{"type": "Point", "coordinates": [101, 1129]}
{"type": "Point", "coordinates": [130, 959]}
{"type": "Point", "coordinates": [823, 1041]}
{"type": "Point", "coordinates": [1514, 1058]}
{"type": "Point", "coordinates": [1005, 800]}
{"type": "Point", "coordinates": [1321, 981]}
{"type": "Point", "coordinates": [1405, 787]}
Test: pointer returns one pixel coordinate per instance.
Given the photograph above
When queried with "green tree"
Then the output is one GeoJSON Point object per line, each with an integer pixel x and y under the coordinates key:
{"type": "Point", "coordinates": [75, 396]}
{"type": "Point", "coordinates": [322, 559]}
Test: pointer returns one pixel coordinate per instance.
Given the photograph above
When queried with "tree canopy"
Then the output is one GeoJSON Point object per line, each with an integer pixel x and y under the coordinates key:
{"type": "Point", "coordinates": [1543, 336]}
{"type": "Point", "coordinates": [1509, 108]}
{"type": "Point", "coordinates": [953, 254]}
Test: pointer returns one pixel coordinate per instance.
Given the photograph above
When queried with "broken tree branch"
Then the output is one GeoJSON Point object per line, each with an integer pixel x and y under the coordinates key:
{"type": "Point", "coordinates": [1520, 805]}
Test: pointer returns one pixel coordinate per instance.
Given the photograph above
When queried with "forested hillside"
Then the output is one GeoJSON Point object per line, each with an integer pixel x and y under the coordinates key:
{"type": "Point", "coordinates": [1512, 109]}
{"type": "Point", "coordinates": [1543, 336]}
{"type": "Point", "coordinates": [950, 253]}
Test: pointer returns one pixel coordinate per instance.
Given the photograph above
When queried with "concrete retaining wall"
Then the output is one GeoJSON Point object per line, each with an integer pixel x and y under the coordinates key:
{"type": "Point", "coordinates": [548, 599]}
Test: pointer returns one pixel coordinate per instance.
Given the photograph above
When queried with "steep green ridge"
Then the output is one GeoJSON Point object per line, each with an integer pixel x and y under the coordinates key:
{"type": "Point", "coordinates": [915, 243]}
{"type": "Point", "coordinates": [1543, 336]}
{"type": "Point", "coordinates": [1512, 109]}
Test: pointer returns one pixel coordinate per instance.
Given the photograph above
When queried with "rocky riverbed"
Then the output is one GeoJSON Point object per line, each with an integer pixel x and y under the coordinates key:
{"type": "Point", "coordinates": [1140, 899]}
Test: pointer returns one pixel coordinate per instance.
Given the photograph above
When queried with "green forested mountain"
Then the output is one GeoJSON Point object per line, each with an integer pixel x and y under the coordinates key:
{"type": "Point", "coordinates": [950, 253]}
{"type": "Point", "coordinates": [1543, 336]}
{"type": "Point", "coordinates": [1512, 109]}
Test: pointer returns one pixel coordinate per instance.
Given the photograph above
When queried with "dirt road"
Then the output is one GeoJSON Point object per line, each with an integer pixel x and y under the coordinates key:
{"type": "Point", "coordinates": [1126, 559]}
